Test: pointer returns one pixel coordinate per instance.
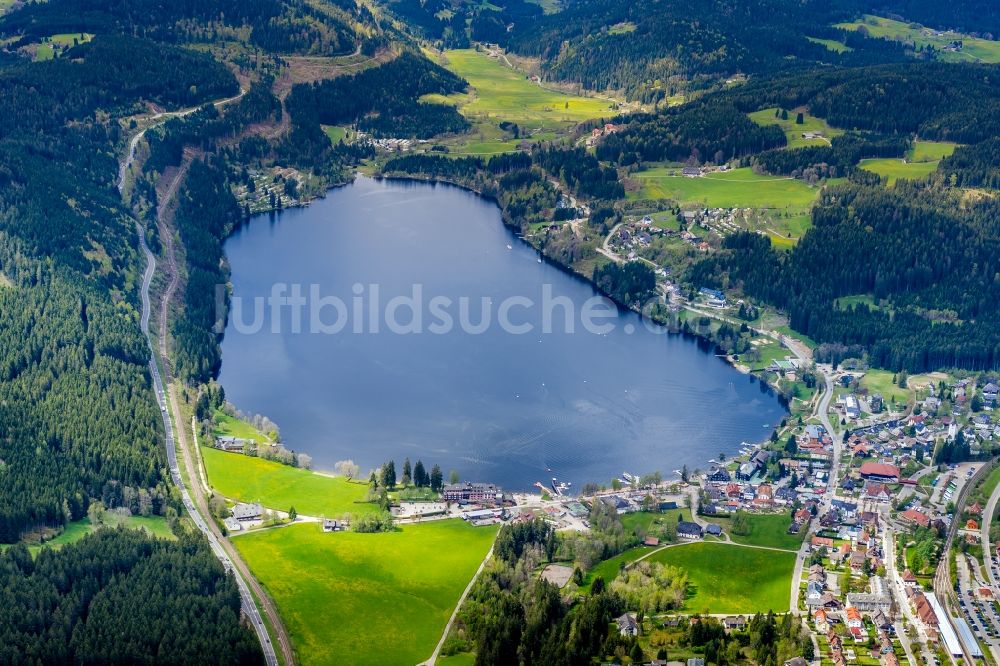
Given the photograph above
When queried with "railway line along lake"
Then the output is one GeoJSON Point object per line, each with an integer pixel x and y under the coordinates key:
{"type": "Point", "coordinates": [400, 319]}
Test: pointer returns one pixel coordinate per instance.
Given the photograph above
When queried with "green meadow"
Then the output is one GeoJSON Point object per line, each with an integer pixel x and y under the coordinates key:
{"type": "Point", "coordinates": [502, 93]}
{"type": "Point", "coordinates": [973, 49]}
{"type": "Point", "coordinates": [732, 579]}
{"type": "Point", "coordinates": [349, 598]}
{"type": "Point", "coordinates": [832, 45]}
{"type": "Point", "coordinates": [767, 529]}
{"type": "Point", "coordinates": [921, 160]}
{"type": "Point", "coordinates": [45, 51]}
{"type": "Point", "coordinates": [279, 487]}
{"type": "Point", "coordinates": [736, 188]}
{"type": "Point", "coordinates": [895, 169]}
{"type": "Point", "coordinates": [793, 131]}
{"type": "Point", "coordinates": [226, 425]}
{"type": "Point", "coordinates": [930, 151]}
{"type": "Point", "coordinates": [153, 525]}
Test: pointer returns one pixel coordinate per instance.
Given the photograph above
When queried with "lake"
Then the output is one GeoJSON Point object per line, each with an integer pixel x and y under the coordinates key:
{"type": "Point", "coordinates": [535, 376]}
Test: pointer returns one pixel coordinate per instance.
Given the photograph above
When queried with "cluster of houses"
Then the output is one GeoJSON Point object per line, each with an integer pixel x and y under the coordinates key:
{"type": "Point", "coordinates": [598, 132]}
{"type": "Point", "coordinates": [746, 488]}
{"type": "Point", "coordinates": [859, 553]}
{"type": "Point", "coordinates": [722, 221]}
{"type": "Point", "coordinates": [634, 236]}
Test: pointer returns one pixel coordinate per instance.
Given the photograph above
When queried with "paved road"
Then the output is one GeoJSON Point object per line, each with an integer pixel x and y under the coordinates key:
{"type": "Point", "coordinates": [248, 606]}
{"type": "Point", "coordinates": [898, 589]}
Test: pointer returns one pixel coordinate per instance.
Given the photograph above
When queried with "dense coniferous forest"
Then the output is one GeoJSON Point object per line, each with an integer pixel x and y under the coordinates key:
{"type": "Point", "coordinates": [974, 166]}
{"type": "Point", "coordinates": [383, 100]}
{"type": "Point", "coordinates": [928, 261]}
{"type": "Point", "coordinates": [655, 49]}
{"type": "Point", "coordinates": [274, 26]}
{"type": "Point", "coordinates": [837, 159]}
{"type": "Point", "coordinates": [119, 596]}
{"type": "Point", "coordinates": [713, 131]}
{"type": "Point", "coordinates": [79, 412]}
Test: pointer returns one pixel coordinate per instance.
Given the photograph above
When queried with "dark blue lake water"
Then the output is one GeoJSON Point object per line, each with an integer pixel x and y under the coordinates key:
{"type": "Point", "coordinates": [513, 401]}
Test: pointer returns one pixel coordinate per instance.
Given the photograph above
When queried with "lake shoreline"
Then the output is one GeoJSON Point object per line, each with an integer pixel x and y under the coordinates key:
{"type": "Point", "coordinates": [703, 343]}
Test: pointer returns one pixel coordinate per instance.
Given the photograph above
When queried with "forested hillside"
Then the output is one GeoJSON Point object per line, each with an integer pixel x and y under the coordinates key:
{"type": "Point", "coordinates": [383, 100]}
{"type": "Point", "coordinates": [929, 257]}
{"type": "Point", "coordinates": [271, 25]}
{"type": "Point", "coordinates": [78, 412]}
{"type": "Point", "coordinates": [78, 419]}
{"type": "Point", "coordinates": [119, 596]}
{"type": "Point", "coordinates": [656, 49]}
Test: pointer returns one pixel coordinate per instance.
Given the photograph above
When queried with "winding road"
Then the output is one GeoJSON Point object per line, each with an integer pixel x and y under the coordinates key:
{"type": "Point", "coordinates": [231, 563]}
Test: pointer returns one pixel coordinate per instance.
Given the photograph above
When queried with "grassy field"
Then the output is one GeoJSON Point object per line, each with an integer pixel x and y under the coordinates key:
{"type": "Point", "coordinates": [646, 520]}
{"type": "Point", "coordinates": [766, 529]}
{"type": "Point", "coordinates": [930, 151]}
{"type": "Point", "coordinates": [732, 579]}
{"type": "Point", "coordinates": [793, 131]}
{"type": "Point", "coordinates": [895, 169]}
{"type": "Point", "coordinates": [45, 50]}
{"type": "Point", "coordinates": [228, 425]}
{"type": "Point", "coordinates": [832, 45]}
{"type": "Point", "coordinates": [736, 188]}
{"type": "Point", "coordinates": [880, 381]}
{"type": "Point", "coordinates": [351, 598]}
{"type": "Point", "coordinates": [973, 49]}
{"type": "Point", "coordinates": [152, 525]}
{"type": "Point", "coordinates": [336, 133]}
{"type": "Point", "coordinates": [502, 93]}
{"type": "Point", "coordinates": [278, 486]}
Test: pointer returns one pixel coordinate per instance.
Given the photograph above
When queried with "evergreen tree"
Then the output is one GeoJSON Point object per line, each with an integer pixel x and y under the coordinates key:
{"type": "Point", "coordinates": [407, 472]}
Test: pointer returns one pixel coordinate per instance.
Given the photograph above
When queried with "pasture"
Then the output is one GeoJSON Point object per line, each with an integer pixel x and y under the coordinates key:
{"type": "Point", "coordinates": [831, 45]}
{"type": "Point", "coordinates": [732, 579]}
{"type": "Point", "coordinates": [930, 151]}
{"type": "Point", "coordinates": [349, 598]}
{"type": "Point", "coordinates": [501, 93]}
{"type": "Point", "coordinates": [155, 526]}
{"type": "Point", "coordinates": [894, 169]}
{"type": "Point", "coordinates": [973, 49]}
{"type": "Point", "coordinates": [793, 131]}
{"type": "Point", "coordinates": [279, 487]}
{"type": "Point", "coordinates": [730, 189]}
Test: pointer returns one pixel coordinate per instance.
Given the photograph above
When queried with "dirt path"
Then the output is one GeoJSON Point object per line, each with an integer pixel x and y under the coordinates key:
{"type": "Point", "coordinates": [454, 613]}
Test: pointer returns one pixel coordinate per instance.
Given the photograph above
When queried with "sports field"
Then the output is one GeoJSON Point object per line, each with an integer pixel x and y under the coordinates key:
{"type": "Point", "coordinates": [350, 598]}
{"type": "Point", "coordinates": [793, 131]}
{"type": "Point", "coordinates": [736, 188]}
{"type": "Point", "coordinates": [279, 487]}
{"type": "Point", "coordinates": [732, 579]}
{"type": "Point", "coordinates": [973, 49]}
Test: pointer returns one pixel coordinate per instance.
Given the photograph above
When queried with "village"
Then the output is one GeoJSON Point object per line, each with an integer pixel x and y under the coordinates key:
{"type": "Point", "coordinates": [889, 540]}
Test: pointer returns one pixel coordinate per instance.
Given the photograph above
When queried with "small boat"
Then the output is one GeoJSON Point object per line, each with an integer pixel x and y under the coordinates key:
{"type": "Point", "coordinates": [509, 247]}
{"type": "Point", "coordinates": [539, 260]}
{"type": "Point", "coordinates": [628, 477]}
